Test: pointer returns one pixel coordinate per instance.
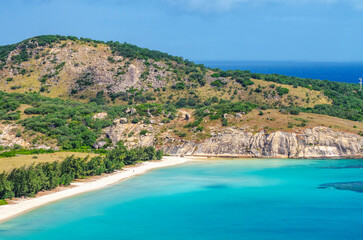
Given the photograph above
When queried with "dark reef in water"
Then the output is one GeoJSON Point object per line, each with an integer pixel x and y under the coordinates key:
{"type": "Point", "coordinates": [350, 186]}
{"type": "Point", "coordinates": [345, 167]}
{"type": "Point", "coordinates": [217, 186]}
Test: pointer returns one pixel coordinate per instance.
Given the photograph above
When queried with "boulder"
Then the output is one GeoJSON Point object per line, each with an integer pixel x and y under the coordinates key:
{"type": "Point", "coordinates": [101, 115]}
{"type": "Point", "coordinates": [123, 120]}
{"type": "Point", "coordinates": [99, 144]}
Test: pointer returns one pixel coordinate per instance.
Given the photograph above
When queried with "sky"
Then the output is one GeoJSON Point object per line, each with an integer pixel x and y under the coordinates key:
{"type": "Point", "coordinates": [198, 30]}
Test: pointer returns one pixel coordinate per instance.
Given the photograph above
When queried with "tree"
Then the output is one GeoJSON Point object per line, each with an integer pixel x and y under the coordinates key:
{"type": "Point", "coordinates": [159, 154]}
{"type": "Point", "coordinates": [5, 187]}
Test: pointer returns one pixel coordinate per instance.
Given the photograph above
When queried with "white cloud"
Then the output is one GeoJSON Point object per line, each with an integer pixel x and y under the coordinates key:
{"type": "Point", "coordinates": [227, 5]}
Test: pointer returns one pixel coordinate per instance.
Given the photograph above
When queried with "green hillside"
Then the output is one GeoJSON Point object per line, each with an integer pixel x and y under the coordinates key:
{"type": "Point", "coordinates": [52, 87]}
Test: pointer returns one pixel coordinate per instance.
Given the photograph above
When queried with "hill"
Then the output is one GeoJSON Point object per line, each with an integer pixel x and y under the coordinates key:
{"type": "Point", "coordinates": [68, 93]}
{"type": "Point", "coordinates": [66, 67]}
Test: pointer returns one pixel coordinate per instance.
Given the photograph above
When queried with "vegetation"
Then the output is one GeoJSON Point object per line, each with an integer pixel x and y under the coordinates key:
{"type": "Point", "coordinates": [122, 49]}
{"type": "Point", "coordinates": [347, 99]}
{"type": "Point", "coordinates": [212, 93]}
{"type": "Point", "coordinates": [27, 181]}
{"type": "Point", "coordinates": [218, 111]}
{"type": "Point", "coordinates": [70, 122]}
{"type": "Point", "coordinates": [9, 163]}
{"type": "Point", "coordinates": [132, 51]}
{"type": "Point", "coordinates": [218, 83]}
{"type": "Point", "coordinates": [14, 152]}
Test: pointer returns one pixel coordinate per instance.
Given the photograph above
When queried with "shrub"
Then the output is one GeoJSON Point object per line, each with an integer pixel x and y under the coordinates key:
{"type": "Point", "coordinates": [244, 81]}
{"type": "Point", "coordinates": [218, 83]}
{"type": "Point", "coordinates": [59, 66]}
{"type": "Point", "coordinates": [16, 146]}
{"type": "Point", "coordinates": [143, 132]}
{"type": "Point", "coordinates": [165, 120]}
{"type": "Point", "coordinates": [197, 77]}
{"type": "Point", "coordinates": [15, 87]}
{"type": "Point", "coordinates": [258, 90]}
{"type": "Point", "coordinates": [11, 116]}
{"type": "Point", "coordinates": [282, 91]}
{"type": "Point", "coordinates": [181, 134]}
{"type": "Point", "coordinates": [159, 154]}
{"type": "Point", "coordinates": [179, 86]}
{"type": "Point", "coordinates": [200, 129]}
{"type": "Point", "coordinates": [224, 122]}
{"type": "Point", "coordinates": [111, 59]}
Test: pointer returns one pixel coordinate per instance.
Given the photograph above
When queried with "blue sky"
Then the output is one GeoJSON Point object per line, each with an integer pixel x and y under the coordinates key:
{"type": "Point", "coordinates": [308, 30]}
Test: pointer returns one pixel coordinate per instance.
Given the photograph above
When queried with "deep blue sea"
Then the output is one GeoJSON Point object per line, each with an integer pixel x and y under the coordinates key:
{"type": "Point", "coordinates": [334, 71]}
{"type": "Point", "coordinates": [213, 199]}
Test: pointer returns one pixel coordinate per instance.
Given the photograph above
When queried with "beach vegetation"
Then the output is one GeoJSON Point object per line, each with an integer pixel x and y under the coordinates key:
{"type": "Point", "coordinates": [14, 152]}
{"type": "Point", "coordinates": [29, 180]}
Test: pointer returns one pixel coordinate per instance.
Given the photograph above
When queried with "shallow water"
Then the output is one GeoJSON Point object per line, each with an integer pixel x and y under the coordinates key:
{"type": "Point", "coordinates": [214, 199]}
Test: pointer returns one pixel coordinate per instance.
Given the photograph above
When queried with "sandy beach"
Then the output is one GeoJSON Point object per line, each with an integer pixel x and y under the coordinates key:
{"type": "Point", "coordinates": [27, 204]}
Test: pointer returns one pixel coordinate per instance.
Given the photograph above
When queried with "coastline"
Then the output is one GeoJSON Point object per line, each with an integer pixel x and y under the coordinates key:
{"type": "Point", "coordinates": [95, 183]}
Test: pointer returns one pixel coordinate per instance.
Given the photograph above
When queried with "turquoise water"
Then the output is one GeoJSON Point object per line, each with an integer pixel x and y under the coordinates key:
{"type": "Point", "coordinates": [216, 199]}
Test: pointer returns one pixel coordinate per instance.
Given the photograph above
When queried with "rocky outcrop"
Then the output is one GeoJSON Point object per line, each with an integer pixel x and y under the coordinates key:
{"type": "Point", "coordinates": [8, 136]}
{"type": "Point", "coordinates": [319, 142]}
{"type": "Point", "coordinates": [70, 68]}
{"type": "Point", "coordinates": [101, 115]}
{"type": "Point", "coordinates": [130, 134]}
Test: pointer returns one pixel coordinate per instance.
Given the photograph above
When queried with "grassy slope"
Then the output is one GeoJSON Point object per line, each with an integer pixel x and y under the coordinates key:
{"type": "Point", "coordinates": [6, 164]}
{"type": "Point", "coordinates": [73, 53]}
{"type": "Point", "coordinates": [78, 56]}
{"type": "Point", "coordinates": [272, 120]}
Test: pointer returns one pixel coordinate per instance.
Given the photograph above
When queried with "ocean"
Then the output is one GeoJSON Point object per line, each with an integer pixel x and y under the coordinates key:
{"type": "Point", "coordinates": [230, 199]}
{"type": "Point", "coordinates": [349, 72]}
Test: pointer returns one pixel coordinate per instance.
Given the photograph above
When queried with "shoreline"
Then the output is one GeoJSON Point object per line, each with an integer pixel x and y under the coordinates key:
{"type": "Point", "coordinates": [24, 205]}
{"type": "Point", "coordinates": [79, 186]}
{"type": "Point", "coordinates": [222, 156]}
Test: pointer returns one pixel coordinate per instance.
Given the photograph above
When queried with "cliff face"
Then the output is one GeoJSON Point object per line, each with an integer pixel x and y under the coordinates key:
{"type": "Point", "coordinates": [318, 142]}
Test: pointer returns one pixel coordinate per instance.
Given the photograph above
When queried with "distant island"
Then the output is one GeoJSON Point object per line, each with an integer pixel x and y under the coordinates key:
{"type": "Point", "coordinates": [127, 104]}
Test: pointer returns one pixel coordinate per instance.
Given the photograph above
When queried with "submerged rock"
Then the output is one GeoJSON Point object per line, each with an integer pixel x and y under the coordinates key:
{"type": "Point", "coordinates": [345, 167]}
{"type": "Point", "coordinates": [350, 186]}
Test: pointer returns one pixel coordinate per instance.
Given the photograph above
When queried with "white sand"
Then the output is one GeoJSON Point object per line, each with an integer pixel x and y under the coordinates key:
{"type": "Point", "coordinates": [27, 204]}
